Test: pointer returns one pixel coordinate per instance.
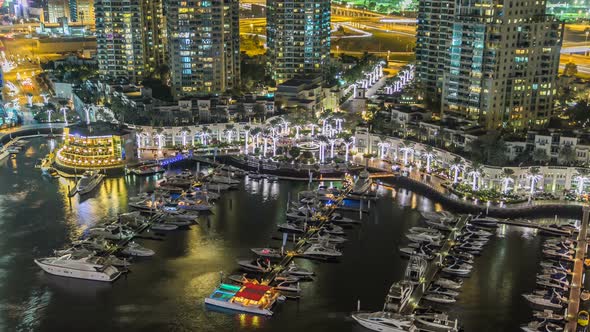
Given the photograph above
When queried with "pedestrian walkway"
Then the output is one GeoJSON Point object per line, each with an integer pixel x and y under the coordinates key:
{"type": "Point", "coordinates": [578, 274]}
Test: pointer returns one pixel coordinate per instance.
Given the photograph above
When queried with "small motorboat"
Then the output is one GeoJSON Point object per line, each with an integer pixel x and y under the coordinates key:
{"type": "Point", "coordinates": [558, 265]}
{"type": "Point", "coordinates": [449, 283]}
{"type": "Point", "coordinates": [443, 291]}
{"type": "Point", "coordinates": [158, 226]}
{"type": "Point", "coordinates": [541, 326]}
{"type": "Point", "coordinates": [385, 321]}
{"type": "Point", "coordinates": [439, 298]}
{"type": "Point", "coordinates": [485, 222]}
{"type": "Point", "coordinates": [458, 269]}
{"type": "Point", "coordinates": [550, 300]}
{"type": "Point", "coordinates": [477, 231]}
{"type": "Point", "coordinates": [267, 252]}
{"type": "Point", "coordinates": [258, 265]}
{"type": "Point", "coordinates": [555, 230]}
{"type": "Point", "coordinates": [437, 322]}
{"type": "Point", "coordinates": [291, 227]}
{"type": "Point", "coordinates": [111, 232]}
{"type": "Point", "coordinates": [548, 315]}
{"type": "Point", "coordinates": [321, 251]}
{"type": "Point", "coordinates": [294, 270]}
{"type": "Point", "coordinates": [134, 249]}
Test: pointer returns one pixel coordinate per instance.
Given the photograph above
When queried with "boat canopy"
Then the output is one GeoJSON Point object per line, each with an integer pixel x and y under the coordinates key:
{"type": "Point", "coordinates": [253, 292]}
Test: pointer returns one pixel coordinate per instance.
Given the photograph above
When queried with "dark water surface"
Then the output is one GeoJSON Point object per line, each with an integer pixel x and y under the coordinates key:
{"type": "Point", "coordinates": [166, 292]}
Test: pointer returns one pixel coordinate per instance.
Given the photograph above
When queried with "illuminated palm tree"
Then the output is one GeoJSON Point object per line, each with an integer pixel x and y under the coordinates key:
{"type": "Point", "coordinates": [507, 179]}
{"type": "Point", "coordinates": [535, 177]}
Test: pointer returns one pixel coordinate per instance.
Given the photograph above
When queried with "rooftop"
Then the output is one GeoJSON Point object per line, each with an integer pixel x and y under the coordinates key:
{"type": "Point", "coordinates": [98, 129]}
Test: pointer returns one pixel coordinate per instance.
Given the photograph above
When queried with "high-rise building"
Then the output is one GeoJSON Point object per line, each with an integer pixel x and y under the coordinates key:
{"type": "Point", "coordinates": [434, 26]}
{"type": "Point", "coordinates": [499, 64]}
{"type": "Point", "coordinates": [298, 37]}
{"type": "Point", "coordinates": [82, 11]}
{"type": "Point", "coordinates": [57, 9]}
{"type": "Point", "coordinates": [154, 33]}
{"type": "Point", "coordinates": [203, 46]}
{"type": "Point", "coordinates": [119, 39]}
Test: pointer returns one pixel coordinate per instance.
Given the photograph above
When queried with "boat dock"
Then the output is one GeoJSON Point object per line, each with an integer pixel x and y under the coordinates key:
{"type": "Point", "coordinates": [298, 250]}
{"type": "Point", "coordinates": [578, 274]}
{"type": "Point", "coordinates": [433, 267]}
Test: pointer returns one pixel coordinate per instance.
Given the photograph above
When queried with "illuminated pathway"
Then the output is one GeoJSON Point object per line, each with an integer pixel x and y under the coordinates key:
{"type": "Point", "coordinates": [577, 278]}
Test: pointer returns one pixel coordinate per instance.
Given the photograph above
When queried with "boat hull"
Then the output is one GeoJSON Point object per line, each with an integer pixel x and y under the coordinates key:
{"type": "Point", "coordinates": [78, 274]}
{"type": "Point", "coordinates": [235, 307]}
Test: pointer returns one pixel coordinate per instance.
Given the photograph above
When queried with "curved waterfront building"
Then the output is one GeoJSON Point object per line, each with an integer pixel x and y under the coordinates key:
{"type": "Point", "coordinates": [98, 146]}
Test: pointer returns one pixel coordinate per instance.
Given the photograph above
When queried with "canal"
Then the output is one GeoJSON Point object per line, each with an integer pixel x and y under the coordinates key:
{"type": "Point", "coordinates": [166, 292]}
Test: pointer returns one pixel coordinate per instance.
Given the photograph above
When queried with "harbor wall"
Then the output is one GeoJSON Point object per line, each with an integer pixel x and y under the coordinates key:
{"type": "Point", "coordinates": [461, 206]}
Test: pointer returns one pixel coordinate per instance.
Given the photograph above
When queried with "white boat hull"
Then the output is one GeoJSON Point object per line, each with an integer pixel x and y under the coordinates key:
{"type": "Point", "coordinates": [375, 326]}
{"type": "Point", "coordinates": [236, 307]}
{"type": "Point", "coordinates": [78, 274]}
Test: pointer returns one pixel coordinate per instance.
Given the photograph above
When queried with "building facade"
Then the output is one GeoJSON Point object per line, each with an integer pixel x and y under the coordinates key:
{"type": "Point", "coordinates": [203, 46]}
{"type": "Point", "coordinates": [57, 9]}
{"type": "Point", "coordinates": [119, 39]}
{"type": "Point", "coordinates": [503, 64]}
{"type": "Point", "coordinates": [494, 62]}
{"type": "Point", "coordinates": [432, 35]}
{"type": "Point", "coordinates": [154, 36]}
{"type": "Point", "coordinates": [298, 37]}
{"type": "Point", "coordinates": [82, 11]}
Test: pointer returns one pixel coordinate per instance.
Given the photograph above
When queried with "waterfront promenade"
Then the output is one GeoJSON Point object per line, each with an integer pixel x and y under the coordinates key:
{"type": "Point", "coordinates": [578, 274]}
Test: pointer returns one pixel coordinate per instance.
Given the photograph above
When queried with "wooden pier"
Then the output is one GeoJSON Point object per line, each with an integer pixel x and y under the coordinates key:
{"type": "Point", "coordinates": [298, 250]}
{"type": "Point", "coordinates": [578, 274]}
{"type": "Point", "coordinates": [434, 267]}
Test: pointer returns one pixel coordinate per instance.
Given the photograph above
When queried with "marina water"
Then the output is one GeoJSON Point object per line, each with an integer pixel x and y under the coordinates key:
{"type": "Point", "coordinates": [166, 292]}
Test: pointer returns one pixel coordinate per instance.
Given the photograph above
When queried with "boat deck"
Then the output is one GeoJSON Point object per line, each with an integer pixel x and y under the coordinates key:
{"type": "Point", "coordinates": [433, 268]}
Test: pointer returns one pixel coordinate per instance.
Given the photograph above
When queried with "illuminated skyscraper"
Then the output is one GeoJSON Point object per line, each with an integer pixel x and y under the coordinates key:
{"type": "Point", "coordinates": [493, 62]}
{"type": "Point", "coordinates": [57, 9]}
{"type": "Point", "coordinates": [154, 33]}
{"type": "Point", "coordinates": [82, 11]}
{"type": "Point", "coordinates": [298, 37]}
{"type": "Point", "coordinates": [119, 38]}
{"type": "Point", "coordinates": [203, 46]}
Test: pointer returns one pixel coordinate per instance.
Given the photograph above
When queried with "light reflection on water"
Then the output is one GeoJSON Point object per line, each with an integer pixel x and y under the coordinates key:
{"type": "Point", "coordinates": [166, 292]}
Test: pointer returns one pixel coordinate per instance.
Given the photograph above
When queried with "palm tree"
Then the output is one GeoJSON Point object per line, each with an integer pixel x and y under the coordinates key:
{"type": "Point", "coordinates": [456, 167]}
{"type": "Point", "coordinates": [428, 153]}
{"type": "Point", "coordinates": [534, 176]}
{"type": "Point", "coordinates": [184, 132]}
{"type": "Point", "coordinates": [506, 179]}
{"type": "Point", "coordinates": [581, 178]}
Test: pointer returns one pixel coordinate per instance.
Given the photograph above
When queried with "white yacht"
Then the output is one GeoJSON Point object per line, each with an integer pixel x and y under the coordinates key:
{"type": "Point", "coordinates": [257, 265]}
{"type": "Point", "coordinates": [319, 250]}
{"type": "Point", "coordinates": [425, 238]}
{"type": "Point", "coordinates": [111, 232]}
{"type": "Point", "coordinates": [385, 321]}
{"type": "Point", "coordinates": [362, 186]}
{"type": "Point", "coordinates": [88, 182]}
{"type": "Point", "coordinates": [83, 268]}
